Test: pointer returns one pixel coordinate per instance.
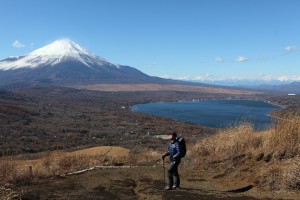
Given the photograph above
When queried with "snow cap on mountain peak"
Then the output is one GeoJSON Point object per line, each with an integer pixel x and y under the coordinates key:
{"type": "Point", "coordinates": [54, 53]}
{"type": "Point", "coordinates": [62, 47]}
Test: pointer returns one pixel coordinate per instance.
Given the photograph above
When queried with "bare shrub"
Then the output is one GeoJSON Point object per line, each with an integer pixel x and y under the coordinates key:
{"type": "Point", "coordinates": [285, 136]}
{"type": "Point", "coordinates": [280, 176]}
{"type": "Point", "coordinates": [272, 178]}
{"type": "Point", "coordinates": [291, 175]}
{"type": "Point", "coordinates": [11, 174]}
{"type": "Point", "coordinates": [47, 165]}
{"type": "Point", "coordinates": [8, 171]}
{"type": "Point", "coordinates": [7, 193]}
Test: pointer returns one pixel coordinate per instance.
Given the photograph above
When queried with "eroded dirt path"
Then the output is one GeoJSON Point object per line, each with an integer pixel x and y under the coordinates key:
{"type": "Point", "coordinates": [126, 183]}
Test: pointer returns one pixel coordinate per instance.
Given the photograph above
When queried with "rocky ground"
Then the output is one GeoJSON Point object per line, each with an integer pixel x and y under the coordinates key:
{"type": "Point", "coordinates": [143, 182]}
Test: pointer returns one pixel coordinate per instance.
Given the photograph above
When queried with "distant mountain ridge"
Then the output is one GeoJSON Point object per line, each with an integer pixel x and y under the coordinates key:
{"type": "Point", "coordinates": [273, 86]}
{"type": "Point", "coordinates": [64, 62]}
{"type": "Point", "coordinates": [243, 82]}
{"type": "Point", "coordinates": [289, 88]}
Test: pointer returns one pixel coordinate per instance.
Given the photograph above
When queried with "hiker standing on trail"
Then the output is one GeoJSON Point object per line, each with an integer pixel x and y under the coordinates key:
{"type": "Point", "coordinates": [175, 151]}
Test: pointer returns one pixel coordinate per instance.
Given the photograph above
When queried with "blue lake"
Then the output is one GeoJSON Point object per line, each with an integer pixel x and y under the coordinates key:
{"type": "Point", "coordinates": [212, 113]}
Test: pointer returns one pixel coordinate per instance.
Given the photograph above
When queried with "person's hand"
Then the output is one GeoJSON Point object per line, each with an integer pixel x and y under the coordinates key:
{"type": "Point", "coordinates": [175, 160]}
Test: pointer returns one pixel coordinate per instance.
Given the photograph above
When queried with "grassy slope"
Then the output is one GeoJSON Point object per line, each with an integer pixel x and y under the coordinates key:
{"type": "Point", "coordinates": [268, 160]}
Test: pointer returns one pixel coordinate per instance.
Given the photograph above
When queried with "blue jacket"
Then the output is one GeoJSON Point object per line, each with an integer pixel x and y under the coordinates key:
{"type": "Point", "coordinates": [174, 150]}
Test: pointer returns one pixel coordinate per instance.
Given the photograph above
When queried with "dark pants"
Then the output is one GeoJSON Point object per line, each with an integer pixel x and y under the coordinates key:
{"type": "Point", "coordinates": [173, 173]}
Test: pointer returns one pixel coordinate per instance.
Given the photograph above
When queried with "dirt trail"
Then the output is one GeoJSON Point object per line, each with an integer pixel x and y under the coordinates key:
{"type": "Point", "coordinates": [127, 183]}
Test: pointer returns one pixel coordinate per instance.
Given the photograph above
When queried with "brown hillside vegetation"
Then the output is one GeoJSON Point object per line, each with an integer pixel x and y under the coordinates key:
{"type": "Point", "coordinates": [290, 103]}
{"type": "Point", "coordinates": [55, 118]}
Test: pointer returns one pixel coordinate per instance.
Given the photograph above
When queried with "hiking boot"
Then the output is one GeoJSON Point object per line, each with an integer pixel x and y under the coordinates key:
{"type": "Point", "coordinates": [168, 188]}
{"type": "Point", "coordinates": [175, 187]}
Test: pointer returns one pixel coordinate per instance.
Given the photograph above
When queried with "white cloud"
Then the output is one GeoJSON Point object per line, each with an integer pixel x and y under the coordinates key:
{"type": "Point", "coordinates": [241, 59]}
{"type": "Point", "coordinates": [219, 59]}
{"type": "Point", "coordinates": [288, 78]}
{"type": "Point", "coordinates": [261, 78]}
{"type": "Point", "coordinates": [291, 48]}
{"type": "Point", "coordinates": [17, 44]}
{"type": "Point", "coordinates": [198, 78]}
{"type": "Point", "coordinates": [283, 78]}
{"type": "Point", "coordinates": [265, 77]}
{"type": "Point", "coordinates": [204, 77]}
{"type": "Point", "coordinates": [297, 78]}
{"type": "Point", "coordinates": [184, 78]}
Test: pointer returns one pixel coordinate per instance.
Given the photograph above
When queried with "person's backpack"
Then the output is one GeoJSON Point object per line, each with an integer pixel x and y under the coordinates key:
{"type": "Point", "coordinates": [181, 142]}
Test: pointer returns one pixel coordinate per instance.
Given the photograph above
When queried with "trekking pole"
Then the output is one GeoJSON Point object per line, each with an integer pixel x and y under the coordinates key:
{"type": "Point", "coordinates": [164, 172]}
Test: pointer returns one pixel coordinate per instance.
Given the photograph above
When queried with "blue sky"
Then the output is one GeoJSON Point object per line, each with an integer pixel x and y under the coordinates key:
{"type": "Point", "coordinates": [180, 39]}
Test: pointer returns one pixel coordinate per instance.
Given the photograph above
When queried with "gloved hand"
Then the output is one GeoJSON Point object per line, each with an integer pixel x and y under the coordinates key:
{"type": "Point", "coordinates": [175, 160]}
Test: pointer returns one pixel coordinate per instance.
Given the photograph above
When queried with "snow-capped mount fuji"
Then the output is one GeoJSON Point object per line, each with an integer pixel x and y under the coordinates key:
{"type": "Point", "coordinates": [52, 54]}
{"type": "Point", "coordinates": [64, 62]}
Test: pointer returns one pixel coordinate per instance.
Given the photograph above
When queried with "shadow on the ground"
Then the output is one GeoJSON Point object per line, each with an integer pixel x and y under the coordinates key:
{"type": "Point", "coordinates": [240, 190]}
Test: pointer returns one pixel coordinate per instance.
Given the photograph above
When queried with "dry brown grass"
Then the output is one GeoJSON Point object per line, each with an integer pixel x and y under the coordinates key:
{"type": "Point", "coordinates": [277, 148]}
{"type": "Point", "coordinates": [14, 170]}
{"type": "Point", "coordinates": [229, 143]}
{"type": "Point", "coordinates": [146, 156]}
{"type": "Point", "coordinates": [280, 176]}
